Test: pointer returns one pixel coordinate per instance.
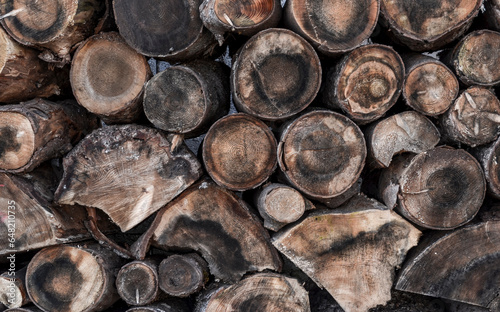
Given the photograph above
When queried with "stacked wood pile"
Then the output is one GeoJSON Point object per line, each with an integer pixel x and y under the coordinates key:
{"type": "Point", "coordinates": [250, 155]}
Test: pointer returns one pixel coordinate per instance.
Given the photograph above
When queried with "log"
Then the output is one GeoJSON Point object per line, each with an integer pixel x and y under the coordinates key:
{"type": "Point", "coordinates": [23, 76]}
{"type": "Point", "coordinates": [259, 292]}
{"type": "Point", "coordinates": [188, 98]}
{"type": "Point", "coordinates": [471, 276]}
{"type": "Point", "coordinates": [31, 308]}
{"type": "Point", "coordinates": [351, 251]}
{"type": "Point", "coordinates": [170, 30]}
{"type": "Point", "coordinates": [492, 13]}
{"type": "Point", "coordinates": [108, 77]}
{"type": "Point", "coordinates": [332, 27]}
{"type": "Point", "coordinates": [73, 278]}
{"type": "Point", "coordinates": [488, 156]}
{"type": "Point", "coordinates": [305, 154]}
{"type": "Point", "coordinates": [404, 132]}
{"type": "Point", "coordinates": [279, 205]}
{"type": "Point", "coordinates": [214, 222]}
{"type": "Point", "coordinates": [276, 75]}
{"type": "Point", "coordinates": [13, 288]}
{"type": "Point", "coordinates": [167, 306]}
{"type": "Point", "coordinates": [38, 130]}
{"type": "Point", "coordinates": [148, 166]}
{"type": "Point", "coordinates": [473, 119]}
{"type": "Point", "coordinates": [429, 87]}
{"type": "Point", "coordinates": [137, 282]}
{"type": "Point", "coordinates": [440, 189]}
{"type": "Point", "coordinates": [239, 17]}
{"type": "Point", "coordinates": [365, 83]}
{"type": "Point", "coordinates": [183, 275]}
{"type": "Point", "coordinates": [56, 26]}
{"type": "Point", "coordinates": [475, 58]}
{"type": "Point", "coordinates": [424, 26]}
{"type": "Point", "coordinates": [239, 152]}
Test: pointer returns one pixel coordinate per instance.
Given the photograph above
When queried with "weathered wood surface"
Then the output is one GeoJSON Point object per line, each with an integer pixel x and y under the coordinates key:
{"type": "Point", "coordinates": [492, 13]}
{"type": "Point", "coordinates": [183, 275]}
{"type": "Point", "coordinates": [165, 306]}
{"type": "Point", "coordinates": [143, 163]}
{"type": "Point", "coordinates": [30, 308]}
{"type": "Point", "coordinates": [137, 282]}
{"type": "Point", "coordinates": [351, 251]}
{"type": "Point", "coordinates": [13, 288]}
{"type": "Point", "coordinates": [489, 157]}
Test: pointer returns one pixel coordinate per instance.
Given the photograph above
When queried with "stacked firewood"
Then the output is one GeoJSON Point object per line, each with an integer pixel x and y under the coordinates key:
{"type": "Point", "coordinates": [250, 155]}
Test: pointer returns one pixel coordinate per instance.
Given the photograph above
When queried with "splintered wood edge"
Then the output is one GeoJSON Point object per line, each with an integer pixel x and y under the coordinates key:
{"type": "Point", "coordinates": [17, 140]}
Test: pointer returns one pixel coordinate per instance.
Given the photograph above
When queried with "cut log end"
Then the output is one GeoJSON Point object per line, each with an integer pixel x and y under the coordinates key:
{"type": "Point", "coordinates": [285, 205]}
{"type": "Point", "coordinates": [183, 275]}
{"type": "Point", "coordinates": [243, 13]}
{"type": "Point", "coordinates": [137, 283]}
{"type": "Point", "coordinates": [17, 140]}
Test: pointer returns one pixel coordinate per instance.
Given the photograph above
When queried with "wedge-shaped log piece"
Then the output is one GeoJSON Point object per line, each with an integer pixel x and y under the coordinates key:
{"type": "Point", "coordinates": [489, 157]}
{"type": "Point", "coordinates": [332, 27]}
{"type": "Point", "coordinates": [258, 292]}
{"type": "Point", "coordinates": [352, 251]}
{"type": "Point", "coordinates": [426, 26]}
{"type": "Point", "coordinates": [461, 266]}
{"type": "Point", "coordinates": [215, 222]}
{"type": "Point", "coordinates": [141, 162]}
{"type": "Point", "coordinates": [183, 275]}
{"type": "Point", "coordinates": [404, 132]}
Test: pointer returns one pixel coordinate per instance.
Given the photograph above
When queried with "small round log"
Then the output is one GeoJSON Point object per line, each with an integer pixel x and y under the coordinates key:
{"type": "Point", "coordinates": [332, 27]}
{"type": "Point", "coordinates": [188, 98]}
{"type": "Point", "coordinates": [475, 58]}
{"type": "Point", "coordinates": [440, 189]}
{"type": "Point", "coordinates": [276, 75]}
{"type": "Point", "coordinates": [137, 282]}
{"type": "Point", "coordinates": [24, 309]}
{"type": "Point", "coordinates": [492, 13]}
{"type": "Point", "coordinates": [165, 306]}
{"type": "Point", "coordinates": [183, 275]}
{"type": "Point", "coordinates": [474, 117]}
{"type": "Point", "coordinates": [366, 83]}
{"type": "Point", "coordinates": [171, 30]}
{"type": "Point", "coordinates": [322, 154]}
{"type": "Point", "coordinates": [73, 278]}
{"type": "Point", "coordinates": [240, 17]}
{"type": "Point", "coordinates": [54, 25]}
{"type": "Point", "coordinates": [38, 130]}
{"type": "Point", "coordinates": [429, 87]}
{"type": "Point", "coordinates": [239, 152]}
{"type": "Point", "coordinates": [424, 26]}
{"type": "Point", "coordinates": [13, 289]}
{"type": "Point", "coordinates": [489, 157]}
{"type": "Point", "coordinates": [108, 77]}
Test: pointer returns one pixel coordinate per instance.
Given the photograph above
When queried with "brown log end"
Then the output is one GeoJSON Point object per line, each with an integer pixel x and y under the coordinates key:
{"type": "Point", "coordinates": [13, 292]}
{"type": "Point", "coordinates": [137, 282]}
{"type": "Point", "coordinates": [276, 75]}
{"type": "Point", "coordinates": [241, 14]}
{"type": "Point", "coordinates": [17, 140]}
{"type": "Point", "coordinates": [239, 152]}
{"type": "Point", "coordinates": [183, 275]}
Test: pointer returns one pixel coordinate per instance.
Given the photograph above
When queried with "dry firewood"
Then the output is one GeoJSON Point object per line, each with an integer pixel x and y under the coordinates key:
{"type": "Point", "coordinates": [143, 163]}
{"type": "Point", "coordinates": [475, 58]}
{"type": "Point", "coordinates": [171, 30]}
{"type": "Point", "coordinates": [188, 98]}
{"type": "Point", "coordinates": [215, 222]}
{"type": "Point", "coordinates": [332, 27]}
{"type": "Point", "coordinates": [461, 265]}
{"type": "Point", "coordinates": [108, 77]}
{"type": "Point", "coordinates": [183, 275]}
{"type": "Point", "coordinates": [279, 204]}
{"type": "Point", "coordinates": [241, 17]}
{"type": "Point", "coordinates": [351, 251]}
{"type": "Point", "coordinates": [137, 282]}
{"type": "Point", "coordinates": [489, 157]}
{"type": "Point", "coordinates": [73, 278]}
{"type": "Point", "coordinates": [366, 83]}
{"type": "Point", "coordinates": [404, 132]}
{"type": "Point", "coordinates": [258, 292]}
{"type": "Point", "coordinates": [424, 26]}
{"type": "Point", "coordinates": [440, 189]}
{"type": "Point", "coordinates": [23, 76]}
{"type": "Point", "coordinates": [429, 87]}
{"type": "Point", "coordinates": [38, 130]}
{"type": "Point", "coordinates": [13, 288]}
{"type": "Point", "coordinates": [322, 154]}
{"type": "Point", "coordinates": [239, 152]}
{"type": "Point", "coordinates": [276, 75]}
{"type": "Point", "coordinates": [165, 306]}
{"type": "Point", "coordinates": [474, 117]}
{"type": "Point", "coordinates": [492, 13]}
{"type": "Point", "coordinates": [30, 308]}
{"type": "Point", "coordinates": [53, 25]}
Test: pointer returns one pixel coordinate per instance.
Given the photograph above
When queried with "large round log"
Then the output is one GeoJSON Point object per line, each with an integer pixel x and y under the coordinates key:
{"type": "Point", "coordinates": [183, 275]}
{"type": "Point", "coordinates": [332, 27]}
{"type": "Point", "coordinates": [137, 282]}
{"type": "Point", "coordinates": [108, 77]}
{"type": "Point", "coordinates": [239, 152]}
{"type": "Point", "coordinates": [171, 30]}
{"type": "Point", "coordinates": [56, 25]}
{"type": "Point", "coordinates": [366, 83]}
{"type": "Point", "coordinates": [188, 98]}
{"type": "Point", "coordinates": [423, 25]}
{"type": "Point", "coordinates": [276, 75]}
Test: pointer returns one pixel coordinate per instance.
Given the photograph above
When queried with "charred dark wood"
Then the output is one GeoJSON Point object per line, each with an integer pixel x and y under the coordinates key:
{"type": "Point", "coordinates": [366, 83]}
{"type": "Point", "coordinates": [492, 13]}
{"type": "Point", "coordinates": [137, 282]}
{"type": "Point", "coordinates": [188, 98]}
{"type": "Point", "coordinates": [108, 77]}
{"type": "Point", "coordinates": [276, 75]}
{"type": "Point", "coordinates": [183, 275]}
{"type": "Point", "coordinates": [13, 288]}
